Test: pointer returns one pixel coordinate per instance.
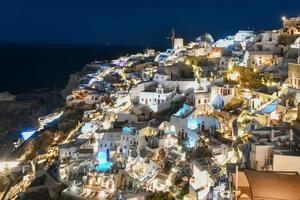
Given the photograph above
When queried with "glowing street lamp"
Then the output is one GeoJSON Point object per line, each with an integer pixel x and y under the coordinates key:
{"type": "Point", "coordinates": [283, 18]}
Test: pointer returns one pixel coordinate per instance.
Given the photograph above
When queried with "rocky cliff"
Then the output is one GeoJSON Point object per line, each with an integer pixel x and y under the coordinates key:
{"type": "Point", "coordinates": [24, 110]}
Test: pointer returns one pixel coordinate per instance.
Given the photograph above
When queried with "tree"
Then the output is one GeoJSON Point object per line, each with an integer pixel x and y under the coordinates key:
{"type": "Point", "coordinates": [161, 196]}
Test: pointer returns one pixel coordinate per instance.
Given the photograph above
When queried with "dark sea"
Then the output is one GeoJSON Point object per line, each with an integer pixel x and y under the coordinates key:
{"type": "Point", "coordinates": [24, 67]}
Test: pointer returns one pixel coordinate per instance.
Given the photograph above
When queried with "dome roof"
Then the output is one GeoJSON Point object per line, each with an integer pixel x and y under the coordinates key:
{"type": "Point", "coordinates": [205, 37]}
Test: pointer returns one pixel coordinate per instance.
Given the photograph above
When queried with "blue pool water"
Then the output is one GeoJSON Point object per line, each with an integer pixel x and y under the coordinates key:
{"type": "Point", "coordinates": [103, 165]}
{"type": "Point", "coordinates": [27, 134]}
{"type": "Point", "coordinates": [127, 130]}
{"type": "Point", "coordinates": [184, 111]}
{"type": "Point", "coordinates": [269, 108]}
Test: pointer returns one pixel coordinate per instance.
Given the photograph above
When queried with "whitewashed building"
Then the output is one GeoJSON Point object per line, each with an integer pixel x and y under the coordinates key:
{"type": "Point", "coordinates": [178, 43]}
{"type": "Point", "coordinates": [200, 182]}
{"type": "Point", "coordinates": [119, 140]}
{"type": "Point", "coordinates": [268, 41]}
{"type": "Point", "coordinates": [161, 77]}
{"type": "Point", "coordinates": [294, 75]}
{"type": "Point", "coordinates": [221, 95]}
{"type": "Point", "coordinates": [158, 98]}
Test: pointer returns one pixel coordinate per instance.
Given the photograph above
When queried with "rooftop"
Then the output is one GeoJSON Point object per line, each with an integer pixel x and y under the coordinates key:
{"type": "Point", "coordinates": [75, 143]}
{"type": "Point", "coordinates": [152, 88]}
{"type": "Point", "coordinates": [270, 185]}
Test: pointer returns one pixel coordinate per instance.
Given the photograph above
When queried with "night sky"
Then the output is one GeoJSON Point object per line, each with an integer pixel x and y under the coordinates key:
{"type": "Point", "coordinates": [134, 22]}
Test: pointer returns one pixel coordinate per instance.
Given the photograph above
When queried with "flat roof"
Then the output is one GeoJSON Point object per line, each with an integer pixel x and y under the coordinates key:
{"type": "Point", "coordinates": [270, 185]}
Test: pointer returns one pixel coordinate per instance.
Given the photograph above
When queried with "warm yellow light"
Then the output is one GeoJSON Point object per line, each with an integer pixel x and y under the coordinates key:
{"type": "Point", "coordinates": [8, 165]}
{"type": "Point", "coordinates": [187, 62]}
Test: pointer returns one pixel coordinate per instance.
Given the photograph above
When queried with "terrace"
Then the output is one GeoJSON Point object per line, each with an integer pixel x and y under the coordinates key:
{"type": "Point", "coordinates": [269, 108]}
{"type": "Point", "coordinates": [153, 87]}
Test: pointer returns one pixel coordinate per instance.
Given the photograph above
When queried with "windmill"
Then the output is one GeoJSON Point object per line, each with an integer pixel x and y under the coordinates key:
{"type": "Point", "coordinates": [172, 37]}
